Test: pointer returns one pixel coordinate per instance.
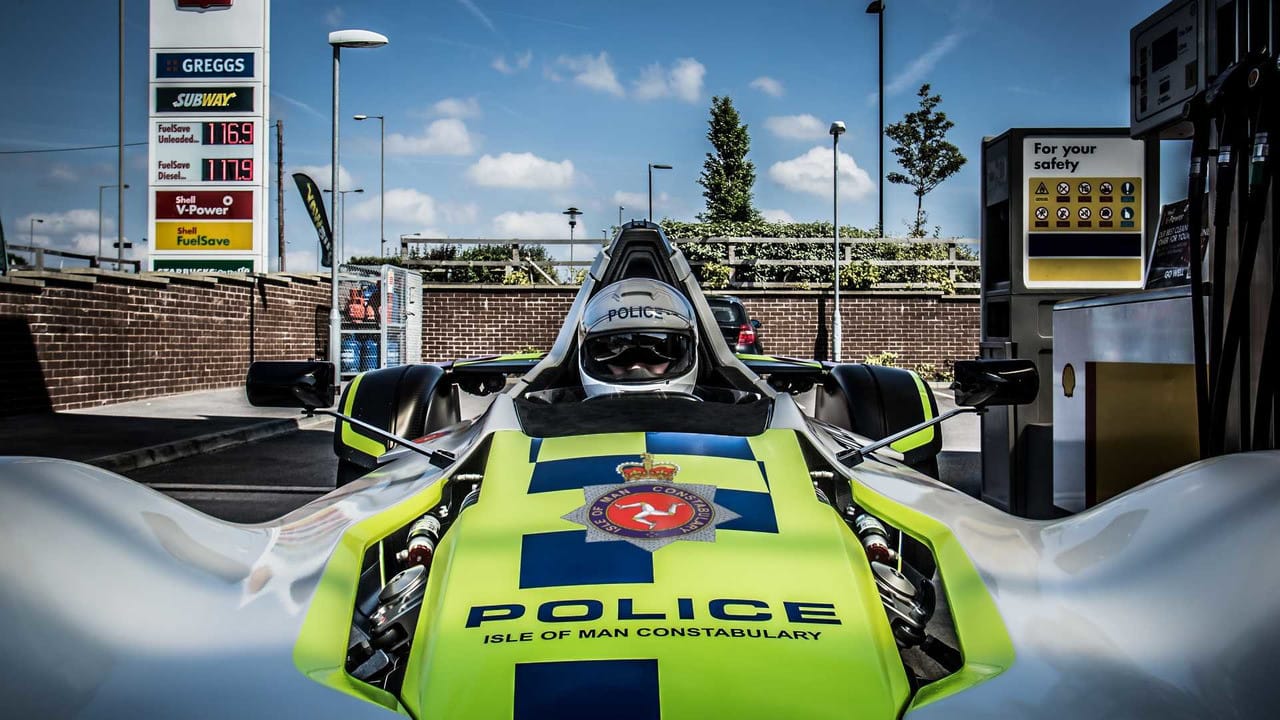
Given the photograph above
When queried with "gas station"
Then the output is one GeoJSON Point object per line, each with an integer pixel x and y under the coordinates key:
{"type": "Point", "coordinates": [1153, 351]}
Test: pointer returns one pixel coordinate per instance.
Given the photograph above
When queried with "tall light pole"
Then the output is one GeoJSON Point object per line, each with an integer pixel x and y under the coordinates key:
{"type": "Point", "coordinates": [620, 208]}
{"type": "Point", "coordinates": [97, 262]}
{"type": "Point", "coordinates": [341, 39]}
{"type": "Point", "coordinates": [837, 129]}
{"type": "Point", "coordinates": [35, 220]}
{"type": "Point", "coordinates": [573, 214]}
{"type": "Point", "coordinates": [876, 7]}
{"type": "Point", "coordinates": [382, 180]}
{"type": "Point", "coordinates": [120, 137]}
{"type": "Point", "coordinates": [652, 167]}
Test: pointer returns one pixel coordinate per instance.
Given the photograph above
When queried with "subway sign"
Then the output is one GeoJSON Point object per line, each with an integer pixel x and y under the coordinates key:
{"type": "Point", "coordinates": [204, 99]}
{"type": "Point", "coordinates": [204, 65]}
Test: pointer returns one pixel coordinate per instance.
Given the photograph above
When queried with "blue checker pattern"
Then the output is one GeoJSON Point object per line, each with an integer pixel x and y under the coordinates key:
{"type": "Point", "coordinates": [755, 509]}
{"type": "Point", "coordinates": [576, 473]}
{"type": "Point", "coordinates": [670, 443]}
{"type": "Point", "coordinates": [559, 559]}
{"type": "Point", "coordinates": [587, 690]}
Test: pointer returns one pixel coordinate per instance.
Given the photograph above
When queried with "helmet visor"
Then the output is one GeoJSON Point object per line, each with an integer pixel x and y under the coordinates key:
{"type": "Point", "coordinates": [637, 356]}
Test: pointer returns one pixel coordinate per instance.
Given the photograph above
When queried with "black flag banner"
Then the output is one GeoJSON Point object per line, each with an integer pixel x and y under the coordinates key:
{"type": "Point", "coordinates": [311, 198]}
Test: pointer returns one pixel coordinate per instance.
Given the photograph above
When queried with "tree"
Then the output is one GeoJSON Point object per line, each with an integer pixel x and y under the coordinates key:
{"type": "Point", "coordinates": [923, 152]}
{"type": "Point", "coordinates": [727, 174]}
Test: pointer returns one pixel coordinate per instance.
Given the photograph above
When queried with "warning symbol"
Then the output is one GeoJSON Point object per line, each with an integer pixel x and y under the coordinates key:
{"type": "Point", "coordinates": [1126, 213]}
{"type": "Point", "coordinates": [1126, 188]}
{"type": "Point", "coordinates": [1041, 189]}
{"type": "Point", "coordinates": [1042, 213]}
{"type": "Point", "coordinates": [1085, 188]}
{"type": "Point", "coordinates": [1085, 213]}
{"type": "Point", "coordinates": [1064, 188]}
{"type": "Point", "coordinates": [1105, 213]}
{"type": "Point", "coordinates": [1105, 188]}
{"type": "Point", "coordinates": [1064, 213]}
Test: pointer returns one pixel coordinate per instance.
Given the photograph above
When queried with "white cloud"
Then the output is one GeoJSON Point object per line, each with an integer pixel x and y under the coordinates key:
{"type": "Point", "coordinates": [683, 81]}
{"type": "Point", "coordinates": [479, 14]}
{"type": "Point", "coordinates": [915, 71]}
{"type": "Point", "coordinates": [534, 225]}
{"type": "Point", "coordinates": [777, 215]}
{"type": "Point", "coordinates": [518, 63]}
{"type": "Point", "coordinates": [639, 201]}
{"type": "Point", "coordinates": [464, 214]}
{"type": "Point", "coordinates": [457, 108]}
{"type": "Point", "coordinates": [768, 86]}
{"type": "Point", "coordinates": [404, 205]}
{"type": "Point", "coordinates": [447, 136]}
{"type": "Point", "coordinates": [322, 175]}
{"type": "Point", "coordinates": [335, 17]}
{"type": "Point", "coordinates": [592, 71]}
{"type": "Point", "coordinates": [811, 173]}
{"type": "Point", "coordinates": [521, 170]}
{"type": "Point", "coordinates": [64, 173]}
{"type": "Point", "coordinates": [796, 127]}
{"type": "Point", "coordinates": [73, 231]}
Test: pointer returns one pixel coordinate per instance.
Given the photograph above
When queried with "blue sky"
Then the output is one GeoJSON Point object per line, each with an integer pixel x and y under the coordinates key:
{"type": "Point", "coordinates": [500, 114]}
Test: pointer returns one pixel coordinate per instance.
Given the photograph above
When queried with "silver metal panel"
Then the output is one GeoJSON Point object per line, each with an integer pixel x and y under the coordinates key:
{"type": "Point", "coordinates": [1145, 327]}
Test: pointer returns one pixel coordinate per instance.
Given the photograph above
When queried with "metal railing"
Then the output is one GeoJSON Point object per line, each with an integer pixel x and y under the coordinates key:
{"type": "Point", "coordinates": [738, 257]}
{"type": "Point", "coordinates": [38, 255]}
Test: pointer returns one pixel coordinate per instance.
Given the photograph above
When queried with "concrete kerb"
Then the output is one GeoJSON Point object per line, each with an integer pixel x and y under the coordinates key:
{"type": "Point", "coordinates": [201, 444]}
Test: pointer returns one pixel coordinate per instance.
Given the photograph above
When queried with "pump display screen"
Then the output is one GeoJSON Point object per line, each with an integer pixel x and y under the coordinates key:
{"type": "Point", "coordinates": [1164, 50]}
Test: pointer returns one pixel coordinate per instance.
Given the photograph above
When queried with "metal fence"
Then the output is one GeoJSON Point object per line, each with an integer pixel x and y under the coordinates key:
{"type": "Point", "coordinates": [960, 261]}
{"type": "Point", "coordinates": [39, 255]}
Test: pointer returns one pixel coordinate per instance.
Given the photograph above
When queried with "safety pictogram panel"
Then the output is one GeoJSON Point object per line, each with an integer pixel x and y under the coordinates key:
{"type": "Point", "coordinates": [1083, 216]}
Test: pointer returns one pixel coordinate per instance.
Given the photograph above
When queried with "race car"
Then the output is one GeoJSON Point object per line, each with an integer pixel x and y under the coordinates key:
{"type": "Point", "coordinates": [641, 525]}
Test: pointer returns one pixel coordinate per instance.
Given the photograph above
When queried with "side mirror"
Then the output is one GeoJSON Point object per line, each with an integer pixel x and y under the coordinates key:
{"type": "Point", "coordinates": [987, 383]}
{"type": "Point", "coordinates": [301, 384]}
{"type": "Point", "coordinates": [756, 324]}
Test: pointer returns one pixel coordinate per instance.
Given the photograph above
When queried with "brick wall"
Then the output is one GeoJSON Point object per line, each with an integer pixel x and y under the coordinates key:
{"type": "Point", "coordinates": [79, 340]}
{"type": "Point", "coordinates": [74, 343]}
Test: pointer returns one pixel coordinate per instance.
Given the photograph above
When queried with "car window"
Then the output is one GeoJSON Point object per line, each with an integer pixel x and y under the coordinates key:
{"type": "Point", "coordinates": [724, 312]}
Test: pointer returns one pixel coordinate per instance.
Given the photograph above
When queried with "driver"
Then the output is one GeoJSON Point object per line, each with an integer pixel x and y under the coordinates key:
{"type": "Point", "coordinates": [638, 335]}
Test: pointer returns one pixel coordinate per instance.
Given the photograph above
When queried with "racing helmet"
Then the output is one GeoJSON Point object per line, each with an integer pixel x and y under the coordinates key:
{"type": "Point", "coordinates": [638, 335]}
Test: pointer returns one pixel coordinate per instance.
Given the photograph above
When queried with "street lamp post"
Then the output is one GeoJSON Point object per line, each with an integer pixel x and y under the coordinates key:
{"type": "Point", "coordinates": [837, 129]}
{"type": "Point", "coordinates": [342, 205]}
{"type": "Point", "coordinates": [35, 220]}
{"type": "Point", "coordinates": [341, 39]}
{"type": "Point", "coordinates": [98, 261]}
{"type": "Point", "coordinates": [876, 7]}
{"type": "Point", "coordinates": [652, 167]}
{"type": "Point", "coordinates": [620, 208]}
{"type": "Point", "coordinates": [382, 180]}
{"type": "Point", "coordinates": [573, 214]}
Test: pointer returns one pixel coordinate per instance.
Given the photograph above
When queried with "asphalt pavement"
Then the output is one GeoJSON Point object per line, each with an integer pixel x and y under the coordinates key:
{"type": "Point", "coordinates": [215, 452]}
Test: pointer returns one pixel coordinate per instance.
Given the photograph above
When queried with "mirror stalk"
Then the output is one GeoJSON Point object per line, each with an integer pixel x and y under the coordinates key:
{"type": "Point", "coordinates": [439, 458]}
{"type": "Point", "coordinates": [854, 457]}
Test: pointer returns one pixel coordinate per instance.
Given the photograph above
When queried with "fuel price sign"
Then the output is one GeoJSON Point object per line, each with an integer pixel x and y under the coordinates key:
{"type": "Point", "coordinates": [214, 151]}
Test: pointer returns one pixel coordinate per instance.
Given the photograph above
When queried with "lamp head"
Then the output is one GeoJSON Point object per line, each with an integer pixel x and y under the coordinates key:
{"type": "Point", "coordinates": [837, 128]}
{"type": "Point", "coordinates": [356, 39]}
{"type": "Point", "coordinates": [359, 117]}
{"type": "Point", "coordinates": [875, 7]}
{"type": "Point", "coordinates": [659, 166]}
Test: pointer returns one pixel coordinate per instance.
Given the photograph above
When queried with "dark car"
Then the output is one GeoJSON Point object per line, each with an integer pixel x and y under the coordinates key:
{"type": "Point", "coordinates": [740, 331]}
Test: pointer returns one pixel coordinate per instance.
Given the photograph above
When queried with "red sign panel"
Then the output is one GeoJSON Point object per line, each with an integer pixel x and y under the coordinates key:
{"type": "Point", "coordinates": [204, 204]}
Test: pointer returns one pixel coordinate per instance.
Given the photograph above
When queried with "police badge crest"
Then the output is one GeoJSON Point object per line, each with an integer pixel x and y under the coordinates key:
{"type": "Point", "coordinates": [650, 510]}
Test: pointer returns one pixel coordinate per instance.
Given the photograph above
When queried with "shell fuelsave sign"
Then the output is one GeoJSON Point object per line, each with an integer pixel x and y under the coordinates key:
{"type": "Point", "coordinates": [207, 194]}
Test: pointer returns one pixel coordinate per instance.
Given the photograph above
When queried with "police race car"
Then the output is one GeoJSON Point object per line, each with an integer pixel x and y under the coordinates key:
{"type": "Point", "coordinates": [642, 525]}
